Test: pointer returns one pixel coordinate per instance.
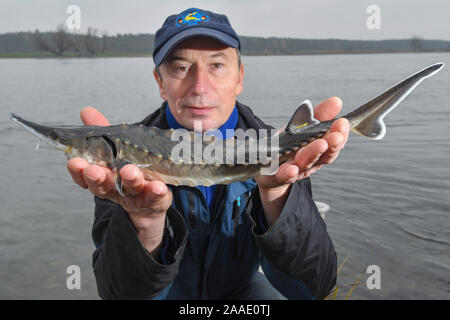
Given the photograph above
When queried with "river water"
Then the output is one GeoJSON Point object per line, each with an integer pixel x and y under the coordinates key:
{"type": "Point", "coordinates": [390, 199]}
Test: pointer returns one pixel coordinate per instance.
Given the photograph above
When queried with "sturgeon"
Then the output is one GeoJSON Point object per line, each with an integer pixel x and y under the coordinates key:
{"type": "Point", "coordinates": [151, 148]}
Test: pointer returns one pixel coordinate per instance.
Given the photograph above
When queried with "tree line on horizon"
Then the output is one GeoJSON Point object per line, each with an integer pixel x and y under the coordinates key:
{"type": "Point", "coordinates": [62, 41]}
{"type": "Point", "coordinates": [94, 42]}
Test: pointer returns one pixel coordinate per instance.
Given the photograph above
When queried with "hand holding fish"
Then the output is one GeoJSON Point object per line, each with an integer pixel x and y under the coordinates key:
{"type": "Point", "coordinates": [307, 160]}
{"type": "Point", "coordinates": [146, 202]}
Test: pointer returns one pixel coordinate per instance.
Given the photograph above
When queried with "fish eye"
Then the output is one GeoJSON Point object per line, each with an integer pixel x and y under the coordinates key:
{"type": "Point", "coordinates": [53, 134]}
{"type": "Point", "coordinates": [64, 140]}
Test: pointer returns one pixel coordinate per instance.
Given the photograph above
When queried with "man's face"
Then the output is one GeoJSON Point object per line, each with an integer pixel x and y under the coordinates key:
{"type": "Point", "coordinates": [200, 80]}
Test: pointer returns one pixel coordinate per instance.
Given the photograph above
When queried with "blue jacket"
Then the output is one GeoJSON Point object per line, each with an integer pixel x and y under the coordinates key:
{"type": "Point", "coordinates": [211, 252]}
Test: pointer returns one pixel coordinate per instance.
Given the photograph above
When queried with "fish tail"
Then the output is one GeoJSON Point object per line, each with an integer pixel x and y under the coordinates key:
{"type": "Point", "coordinates": [367, 120]}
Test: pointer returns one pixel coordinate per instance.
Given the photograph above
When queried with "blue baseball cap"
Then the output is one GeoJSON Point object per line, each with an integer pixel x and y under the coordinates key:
{"type": "Point", "coordinates": [191, 23]}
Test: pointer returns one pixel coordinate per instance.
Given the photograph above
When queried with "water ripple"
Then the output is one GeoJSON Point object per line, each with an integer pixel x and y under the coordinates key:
{"type": "Point", "coordinates": [422, 236]}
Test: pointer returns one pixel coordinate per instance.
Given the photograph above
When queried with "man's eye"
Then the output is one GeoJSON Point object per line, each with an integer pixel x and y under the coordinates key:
{"type": "Point", "coordinates": [183, 68]}
{"type": "Point", "coordinates": [218, 65]}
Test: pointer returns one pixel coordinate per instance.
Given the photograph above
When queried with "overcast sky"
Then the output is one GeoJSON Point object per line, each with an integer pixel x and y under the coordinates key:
{"type": "Point", "coordinates": [345, 19]}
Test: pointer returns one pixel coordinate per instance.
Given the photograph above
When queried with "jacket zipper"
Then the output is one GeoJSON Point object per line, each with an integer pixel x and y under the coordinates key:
{"type": "Point", "coordinates": [191, 209]}
{"type": "Point", "coordinates": [220, 194]}
{"type": "Point", "coordinates": [235, 218]}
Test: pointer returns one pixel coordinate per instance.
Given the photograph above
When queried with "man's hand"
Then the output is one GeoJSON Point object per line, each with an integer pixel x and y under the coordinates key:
{"type": "Point", "coordinates": [275, 189]}
{"type": "Point", "coordinates": [146, 202]}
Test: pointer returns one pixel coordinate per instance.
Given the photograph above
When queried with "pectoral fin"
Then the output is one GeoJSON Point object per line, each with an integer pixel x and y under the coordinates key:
{"type": "Point", "coordinates": [118, 165]}
{"type": "Point", "coordinates": [115, 163]}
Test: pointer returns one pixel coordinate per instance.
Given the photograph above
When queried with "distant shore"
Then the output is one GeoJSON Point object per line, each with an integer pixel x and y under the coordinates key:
{"type": "Point", "coordinates": [63, 44]}
{"type": "Point", "coordinates": [52, 56]}
{"type": "Point", "coordinates": [125, 55]}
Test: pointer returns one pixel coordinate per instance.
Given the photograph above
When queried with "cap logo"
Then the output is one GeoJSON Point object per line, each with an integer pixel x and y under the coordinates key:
{"type": "Point", "coordinates": [191, 17]}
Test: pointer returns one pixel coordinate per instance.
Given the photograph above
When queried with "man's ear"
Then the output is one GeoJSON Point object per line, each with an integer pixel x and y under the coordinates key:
{"type": "Point", "coordinates": [240, 83]}
{"type": "Point", "coordinates": [159, 81]}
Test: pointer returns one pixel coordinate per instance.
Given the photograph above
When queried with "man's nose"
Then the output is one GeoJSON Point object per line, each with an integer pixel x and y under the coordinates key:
{"type": "Point", "coordinates": [201, 81]}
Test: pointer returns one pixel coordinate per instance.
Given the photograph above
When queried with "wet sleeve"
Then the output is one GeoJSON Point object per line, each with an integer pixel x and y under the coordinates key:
{"type": "Point", "coordinates": [299, 258]}
{"type": "Point", "coordinates": [123, 268]}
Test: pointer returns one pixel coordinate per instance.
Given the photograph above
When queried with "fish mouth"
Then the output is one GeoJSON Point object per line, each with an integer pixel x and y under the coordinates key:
{"type": "Point", "coordinates": [38, 130]}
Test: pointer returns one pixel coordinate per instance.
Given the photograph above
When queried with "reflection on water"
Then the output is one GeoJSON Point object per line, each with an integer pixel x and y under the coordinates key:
{"type": "Point", "coordinates": [389, 199]}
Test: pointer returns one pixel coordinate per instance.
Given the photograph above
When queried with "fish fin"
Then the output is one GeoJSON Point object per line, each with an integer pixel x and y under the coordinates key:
{"type": "Point", "coordinates": [115, 163]}
{"type": "Point", "coordinates": [373, 128]}
{"type": "Point", "coordinates": [118, 165]}
{"type": "Point", "coordinates": [367, 120]}
{"type": "Point", "coordinates": [302, 117]}
{"type": "Point", "coordinates": [118, 183]}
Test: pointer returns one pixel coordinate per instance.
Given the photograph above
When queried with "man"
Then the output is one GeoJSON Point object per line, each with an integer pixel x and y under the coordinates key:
{"type": "Point", "coordinates": [167, 242]}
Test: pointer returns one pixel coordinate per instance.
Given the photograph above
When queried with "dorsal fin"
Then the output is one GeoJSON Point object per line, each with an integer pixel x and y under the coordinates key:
{"type": "Point", "coordinates": [303, 116]}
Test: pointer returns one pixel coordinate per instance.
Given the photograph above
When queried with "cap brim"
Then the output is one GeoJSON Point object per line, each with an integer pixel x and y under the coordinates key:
{"type": "Point", "coordinates": [159, 57]}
